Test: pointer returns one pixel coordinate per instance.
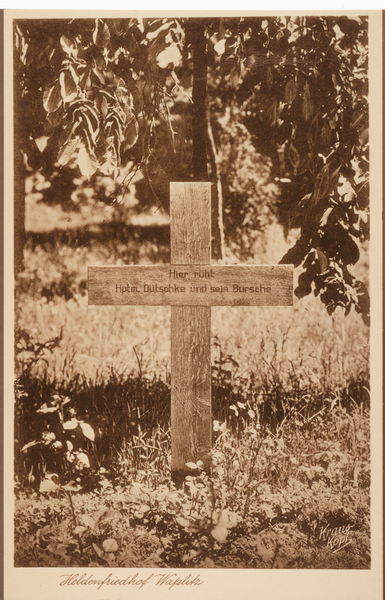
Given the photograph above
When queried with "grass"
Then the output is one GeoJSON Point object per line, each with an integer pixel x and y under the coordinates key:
{"type": "Point", "coordinates": [290, 407]}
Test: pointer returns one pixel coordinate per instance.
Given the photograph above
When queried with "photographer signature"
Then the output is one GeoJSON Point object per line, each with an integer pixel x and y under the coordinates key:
{"type": "Point", "coordinates": [336, 538]}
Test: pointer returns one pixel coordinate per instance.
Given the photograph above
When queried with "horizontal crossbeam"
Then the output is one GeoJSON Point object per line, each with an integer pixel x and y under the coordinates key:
{"type": "Point", "coordinates": [191, 285]}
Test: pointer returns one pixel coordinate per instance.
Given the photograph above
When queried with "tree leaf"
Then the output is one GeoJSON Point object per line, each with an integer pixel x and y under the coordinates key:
{"type": "Point", "coordinates": [104, 106]}
{"type": "Point", "coordinates": [304, 285]}
{"type": "Point", "coordinates": [321, 185]}
{"type": "Point", "coordinates": [323, 261]}
{"type": "Point", "coordinates": [296, 254]}
{"type": "Point", "coordinates": [364, 136]}
{"type": "Point", "coordinates": [131, 132]}
{"type": "Point", "coordinates": [293, 155]}
{"type": "Point", "coordinates": [291, 91]}
{"type": "Point", "coordinates": [307, 104]}
{"type": "Point", "coordinates": [170, 56]}
{"type": "Point", "coordinates": [272, 112]}
{"type": "Point", "coordinates": [312, 133]}
{"type": "Point", "coordinates": [67, 86]}
{"type": "Point", "coordinates": [47, 409]}
{"type": "Point", "coordinates": [56, 118]}
{"type": "Point", "coordinates": [325, 133]}
{"type": "Point", "coordinates": [136, 488]}
{"type": "Point", "coordinates": [363, 297]}
{"type": "Point", "coordinates": [265, 553]}
{"type": "Point", "coordinates": [47, 529]}
{"type": "Point", "coordinates": [87, 430]}
{"type": "Point", "coordinates": [100, 513]}
{"type": "Point", "coordinates": [87, 164]}
{"type": "Point", "coordinates": [157, 29]}
{"type": "Point", "coordinates": [349, 250]}
{"type": "Point", "coordinates": [269, 77]}
{"type": "Point", "coordinates": [363, 305]}
{"type": "Point", "coordinates": [220, 47]}
{"type": "Point", "coordinates": [109, 166]}
{"type": "Point", "coordinates": [85, 79]}
{"type": "Point", "coordinates": [333, 181]}
{"type": "Point", "coordinates": [110, 545]}
{"type": "Point", "coordinates": [68, 46]}
{"type": "Point", "coordinates": [66, 151]}
{"type": "Point", "coordinates": [101, 35]}
{"type": "Point", "coordinates": [92, 119]}
{"type": "Point", "coordinates": [99, 75]}
{"type": "Point", "coordinates": [235, 74]}
{"type": "Point", "coordinates": [52, 546]}
{"type": "Point", "coordinates": [52, 98]}
{"type": "Point", "coordinates": [307, 108]}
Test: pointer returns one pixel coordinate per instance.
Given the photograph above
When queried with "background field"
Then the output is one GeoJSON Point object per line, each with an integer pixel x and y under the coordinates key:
{"type": "Point", "coordinates": [290, 410]}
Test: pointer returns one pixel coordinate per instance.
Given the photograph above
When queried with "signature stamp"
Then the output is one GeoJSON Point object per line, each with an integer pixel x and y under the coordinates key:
{"type": "Point", "coordinates": [337, 537]}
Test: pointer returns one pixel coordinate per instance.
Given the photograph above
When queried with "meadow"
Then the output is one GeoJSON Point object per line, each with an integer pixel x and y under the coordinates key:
{"type": "Point", "coordinates": [290, 480]}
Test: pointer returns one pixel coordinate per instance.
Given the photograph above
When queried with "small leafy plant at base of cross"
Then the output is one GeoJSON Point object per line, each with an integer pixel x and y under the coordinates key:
{"type": "Point", "coordinates": [61, 445]}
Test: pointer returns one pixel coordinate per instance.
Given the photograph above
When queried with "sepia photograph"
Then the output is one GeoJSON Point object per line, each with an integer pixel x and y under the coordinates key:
{"type": "Point", "coordinates": [192, 272]}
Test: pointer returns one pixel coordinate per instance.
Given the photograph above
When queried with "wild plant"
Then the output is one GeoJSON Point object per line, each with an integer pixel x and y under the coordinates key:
{"type": "Point", "coordinates": [61, 445]}
{"type": "Point", "coordinates": [145, 457]}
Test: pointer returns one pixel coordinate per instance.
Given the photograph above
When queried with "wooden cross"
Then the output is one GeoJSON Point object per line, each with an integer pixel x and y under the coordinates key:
{"type": "Point", "coordinates": [190, 285]}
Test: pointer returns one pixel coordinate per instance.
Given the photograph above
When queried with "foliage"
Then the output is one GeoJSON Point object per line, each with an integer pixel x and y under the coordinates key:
{"type": "Point", "coordinates": [59, 452]}
{"type": "Point", "coordinates": [303, 83]}
{"type": "Point", "coordinates": [100, 88]}
{"type": "Point", "coordinates": [89, 77]}
{"type": "Point", "coordinates": [253, 509]}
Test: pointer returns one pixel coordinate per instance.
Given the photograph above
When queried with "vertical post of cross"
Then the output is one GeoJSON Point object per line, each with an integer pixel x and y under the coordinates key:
{"type": "Point", "coordinates": [190, 332]}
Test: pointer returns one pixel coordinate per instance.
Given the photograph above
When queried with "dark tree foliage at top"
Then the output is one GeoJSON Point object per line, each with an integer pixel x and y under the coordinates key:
{"type": "Point", "coordinates": [304, 87]}
{"type": "Point", "coordinates": [99, 88]}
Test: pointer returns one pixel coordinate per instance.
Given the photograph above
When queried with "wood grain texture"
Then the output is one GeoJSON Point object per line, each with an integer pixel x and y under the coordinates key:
{"type": "Point", "coordinates": [190, 209]}
{"type": "Point", "coordinates": [190, 386]}
{"type": "Point", "coordinates": [192, 285]}
{"type": "Point", "coordinates": [190, 212]}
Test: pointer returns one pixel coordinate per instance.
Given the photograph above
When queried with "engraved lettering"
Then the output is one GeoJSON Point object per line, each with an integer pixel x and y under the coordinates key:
{"type": "Point", "coordinates": [176, 274]}
{"type": "Point", "coordinates": [258, 289]}
{"type": "Point", "coordinates": [123, 289]}
{"type": "Point", "coordinates": [163, 288]}
{"type": "Point", "coordinates": [204, 274]}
